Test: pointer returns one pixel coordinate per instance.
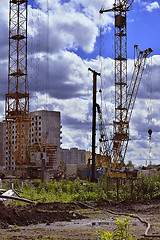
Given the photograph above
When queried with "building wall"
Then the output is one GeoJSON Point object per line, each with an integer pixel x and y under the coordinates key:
{"type": "Point", "coordinates": [73, 156]}
{"type": "Point", "coordinates": [2, 145]}
{"type": "Point", "coordinates": [9, 163]}
{"type": "Point", "coordinates": [47, 125]}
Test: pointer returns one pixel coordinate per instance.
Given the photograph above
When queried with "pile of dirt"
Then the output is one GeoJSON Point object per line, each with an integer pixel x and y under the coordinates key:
{"type": "Point", "coordinates": [148, 207]}
{"type": "Point", "coordinates": [24, 215]}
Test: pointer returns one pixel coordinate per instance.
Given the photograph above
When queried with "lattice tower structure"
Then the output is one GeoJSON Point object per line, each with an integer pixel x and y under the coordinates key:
{"type": "Point", "coordinates": [17, 98]}
{"type": "Point", "coordinates": [120, 125]}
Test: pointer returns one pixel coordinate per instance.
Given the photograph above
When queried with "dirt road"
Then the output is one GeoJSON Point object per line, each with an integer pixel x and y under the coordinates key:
{"type": "Point", "coordinates": [74, 220]}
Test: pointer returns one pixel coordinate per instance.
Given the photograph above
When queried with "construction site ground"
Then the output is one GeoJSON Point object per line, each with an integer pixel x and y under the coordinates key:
{"type": "Point", "coordinates": [75, 220]}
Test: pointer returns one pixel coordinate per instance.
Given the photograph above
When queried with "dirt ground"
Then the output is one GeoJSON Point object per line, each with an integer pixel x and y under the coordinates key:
{"type": "Point", "coordinates": [75, 220]}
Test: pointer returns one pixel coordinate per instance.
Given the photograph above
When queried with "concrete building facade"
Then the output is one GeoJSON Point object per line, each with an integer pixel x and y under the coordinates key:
{"type": "Point", "coordinates": [3, 146]}
{"type": "Point", "coordinates": [73, 156]}
{"type": "Point", "coordinates": [46, 125]}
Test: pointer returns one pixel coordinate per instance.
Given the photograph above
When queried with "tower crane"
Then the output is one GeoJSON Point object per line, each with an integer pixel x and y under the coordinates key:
{"type": "Point", "coordinates": [17, 99]}
{"type": "Point", "coordinates": [125, 95]}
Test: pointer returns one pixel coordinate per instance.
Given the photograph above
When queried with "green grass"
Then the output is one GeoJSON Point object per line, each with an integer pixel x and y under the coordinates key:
{"type": "Point", "coordinates": [72, 191]}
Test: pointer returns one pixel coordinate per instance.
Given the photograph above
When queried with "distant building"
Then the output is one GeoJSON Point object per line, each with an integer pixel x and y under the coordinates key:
{"type": "Point", "coordinates": [47, 126]}
{"type": "Point", "coordinates": [73, 156]}
{"type": "Point", "coordinates": [88, 157]}
{"type": "Point", "coordinates": [2, 144]}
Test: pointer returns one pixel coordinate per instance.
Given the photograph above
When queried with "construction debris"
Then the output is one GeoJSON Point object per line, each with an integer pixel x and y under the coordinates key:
{"type": "Point", "coordinates": [7, 196]}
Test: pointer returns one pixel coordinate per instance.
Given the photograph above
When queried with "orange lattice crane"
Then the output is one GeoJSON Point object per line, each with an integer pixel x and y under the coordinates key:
{"type": "Point", "coordinates": [17, 98]}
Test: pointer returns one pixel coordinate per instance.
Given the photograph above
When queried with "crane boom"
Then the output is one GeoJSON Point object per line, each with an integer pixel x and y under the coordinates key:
{"type": "Point", "coordinates": [135, 81]}
{"type": "Point", "coordinates": [119, 148]}
{"type": "Point", "coordinates": [122, 5]}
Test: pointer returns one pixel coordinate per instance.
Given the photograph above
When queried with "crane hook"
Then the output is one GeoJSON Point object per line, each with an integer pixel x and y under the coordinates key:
{"type": "Point", "coordinates": [150, 133]}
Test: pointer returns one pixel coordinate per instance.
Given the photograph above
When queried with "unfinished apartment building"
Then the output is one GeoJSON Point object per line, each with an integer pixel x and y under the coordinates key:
{"type": "Point", "coordinates": [47, 126]}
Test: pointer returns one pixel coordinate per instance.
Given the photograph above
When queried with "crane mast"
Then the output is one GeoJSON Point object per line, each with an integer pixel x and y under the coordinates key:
{"type": "Point", "coordinates": [17, 98]}
{"type": "Point", "coordinates": [17, 118]}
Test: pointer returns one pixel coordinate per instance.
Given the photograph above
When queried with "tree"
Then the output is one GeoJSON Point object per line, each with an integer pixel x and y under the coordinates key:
{"type": "Point", "coordinates": [130, 164]}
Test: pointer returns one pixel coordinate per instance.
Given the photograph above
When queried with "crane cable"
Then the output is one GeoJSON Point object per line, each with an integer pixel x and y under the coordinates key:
{"type": "Point", "coordinates": [101, 67]}
{"type": "Point", "coordinates": [47, 50]}
{"type": "Point", "coordinates": [149, 108]}
{"type": "Point", "coordinates": [37, 68]}
{"type": "Point", "coordinates": [47, 69]}
{"type": "Point", "coordinates": [100, 55]}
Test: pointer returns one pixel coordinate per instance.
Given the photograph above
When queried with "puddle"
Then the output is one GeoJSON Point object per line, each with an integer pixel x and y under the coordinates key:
{"type": "Point", "coordinates": [74, 224]}
{"type": "Point", "coordinates": [100, 223]}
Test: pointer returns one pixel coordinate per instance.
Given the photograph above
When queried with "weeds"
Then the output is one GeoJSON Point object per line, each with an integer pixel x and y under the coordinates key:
{"type": "Point", "coordinates": [121, 232]}
{"type": "Point", "coordinates": [68, 191]}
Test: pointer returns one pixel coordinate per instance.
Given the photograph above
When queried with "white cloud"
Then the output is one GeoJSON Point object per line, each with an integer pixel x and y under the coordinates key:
{"type": "Point", "coordinates": [154, 5]}
{"type": "Point", "coordinates": [59, 79]}
{"type": "Point", "coordinates": [72, 24]}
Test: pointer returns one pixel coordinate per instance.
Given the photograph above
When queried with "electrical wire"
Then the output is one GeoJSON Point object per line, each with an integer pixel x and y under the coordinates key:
{"type": "Point", "coordinates": [37, 68]}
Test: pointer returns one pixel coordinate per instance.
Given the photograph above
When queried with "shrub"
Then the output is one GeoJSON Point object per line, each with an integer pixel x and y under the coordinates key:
{"type": "Point", "coordinates": [36, 182]}
{"type": "Point", "coordinates": [16, 184]}
{"type": "Point", "coordinates": [121, 232]}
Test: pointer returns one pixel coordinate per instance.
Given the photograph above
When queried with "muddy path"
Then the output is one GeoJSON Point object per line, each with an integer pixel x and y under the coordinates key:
{"type": "Point", "coordinates": [75, 220]}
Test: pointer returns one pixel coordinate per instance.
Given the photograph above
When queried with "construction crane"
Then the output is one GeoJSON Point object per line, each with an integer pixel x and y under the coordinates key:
{"type": "Point", "coordinates": [119, 148]}
{"type": "Point", "coordinates": [124, 96]}
{"type": "Point", "coordinates": [120, 126]}
{"type": "Point", "coordinates": [17, 99]}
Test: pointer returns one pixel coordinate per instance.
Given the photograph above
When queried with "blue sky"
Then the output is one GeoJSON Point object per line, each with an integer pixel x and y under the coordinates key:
{"type": "Point", "coordinates": [142, 29]}
{"type": "Point", "coordinates": [62, 43]}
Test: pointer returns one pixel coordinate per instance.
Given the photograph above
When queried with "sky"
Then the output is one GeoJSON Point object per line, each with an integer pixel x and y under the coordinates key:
{"type": "Point", "coordinates": [65, 38]}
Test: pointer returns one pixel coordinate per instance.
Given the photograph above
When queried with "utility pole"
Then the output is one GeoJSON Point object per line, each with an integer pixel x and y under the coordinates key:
{"type": "Point", "coordinates": [94, 121]}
